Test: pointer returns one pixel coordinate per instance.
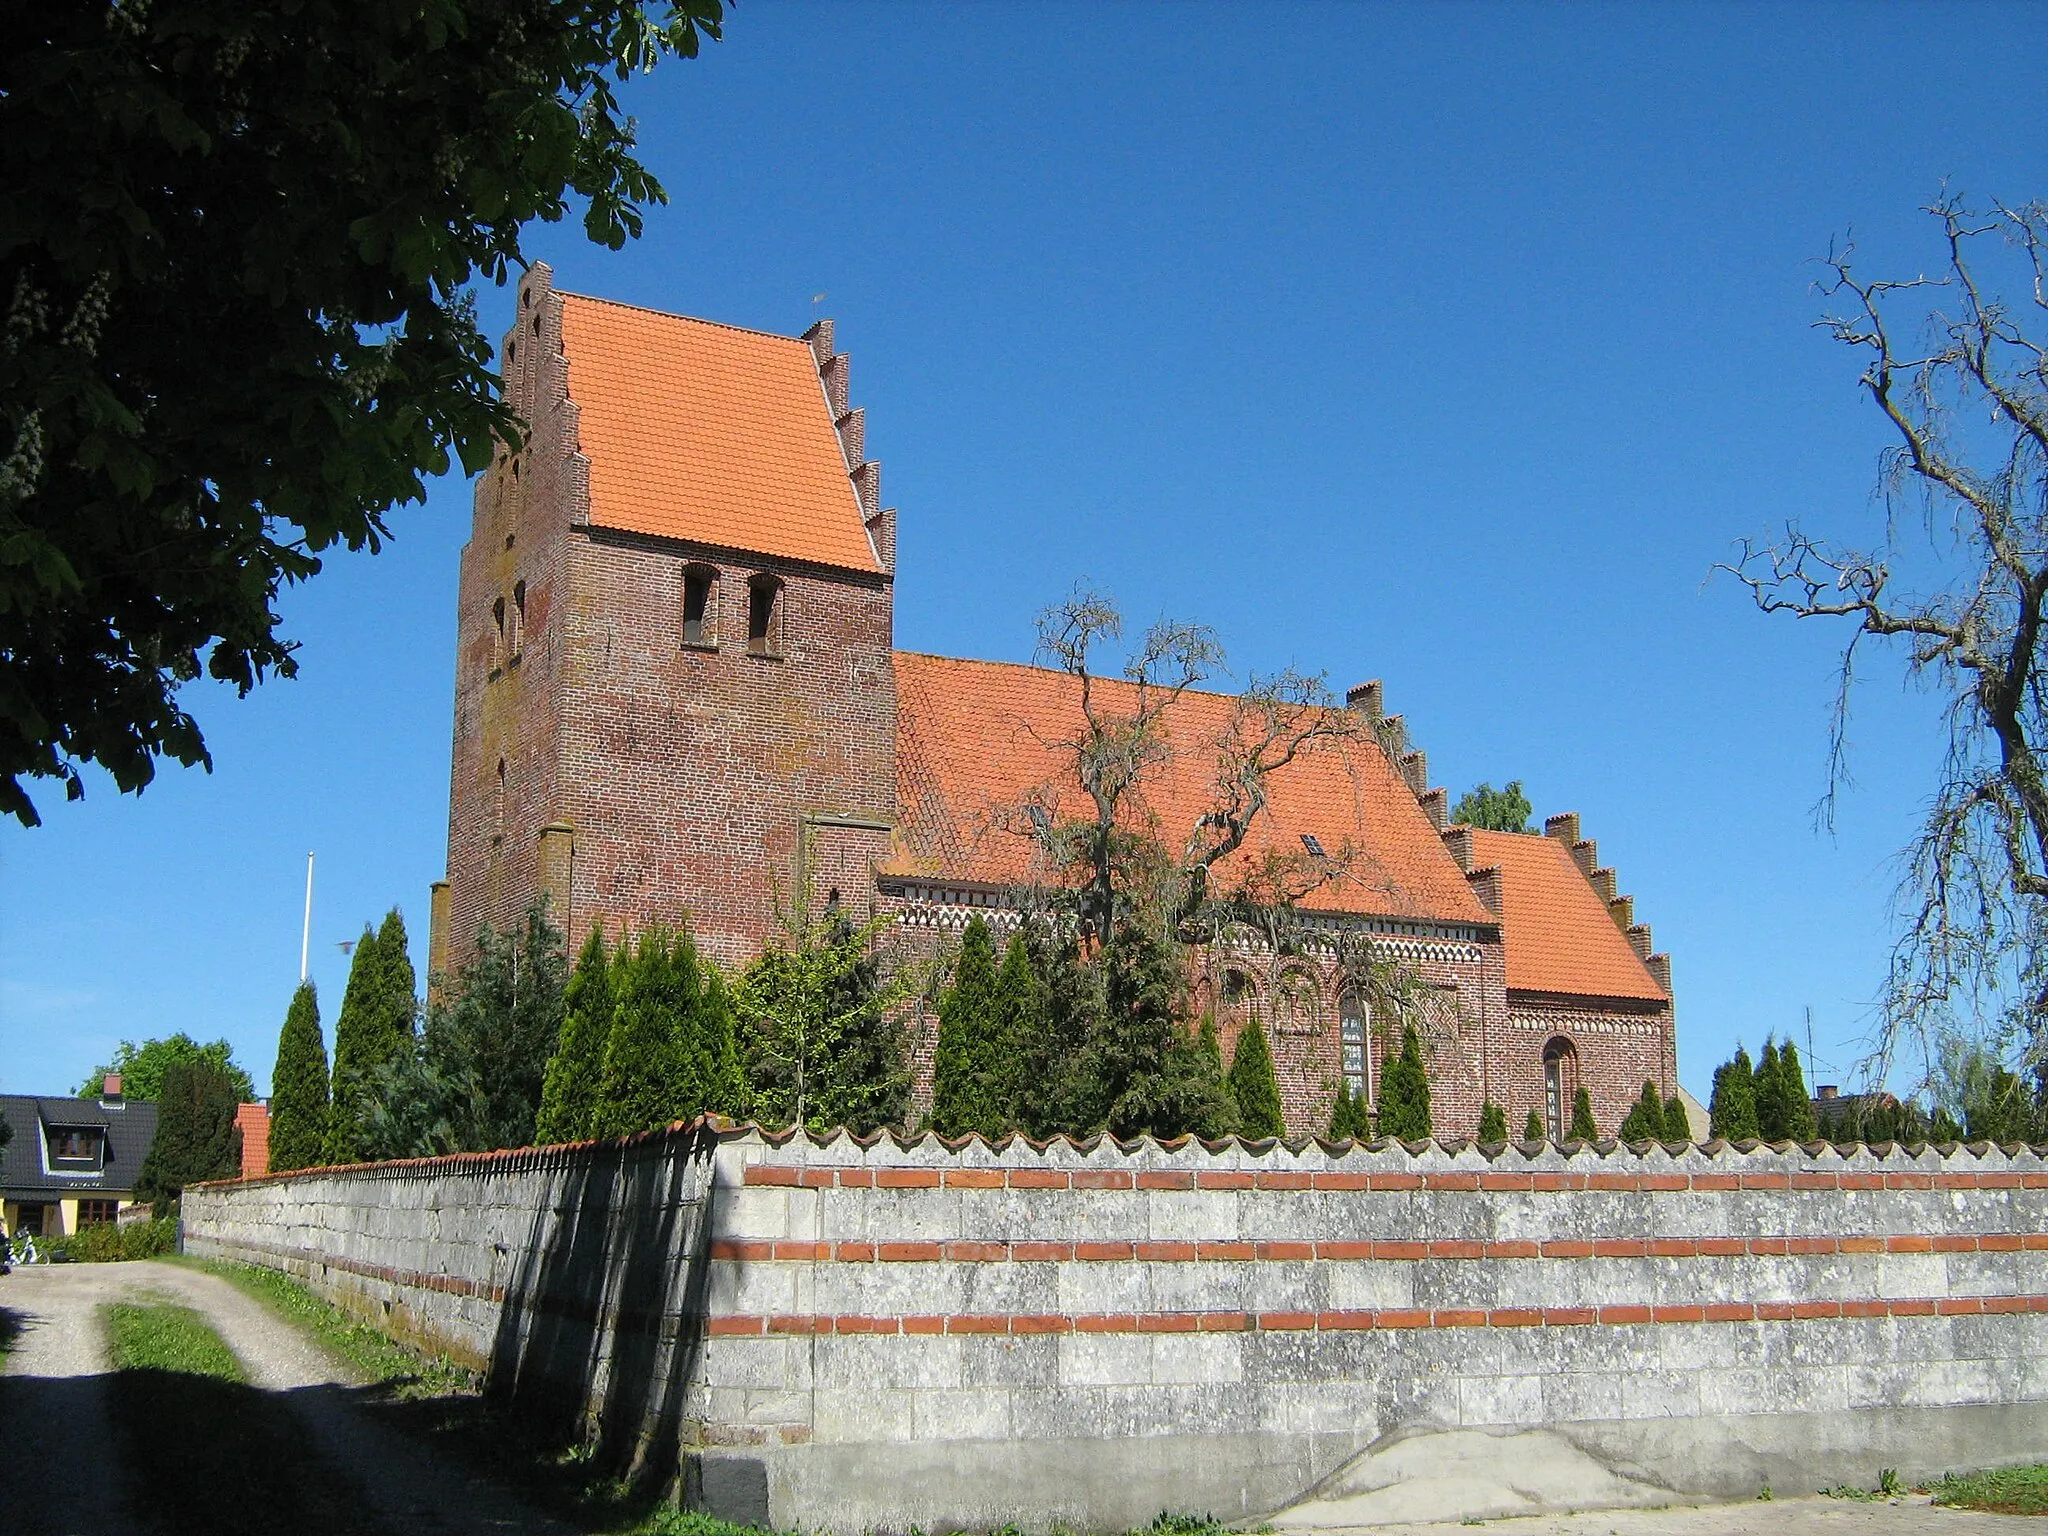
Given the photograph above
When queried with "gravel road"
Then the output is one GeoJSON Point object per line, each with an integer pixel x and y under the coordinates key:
{"type": "Point", "coordinates": [55, 1473]}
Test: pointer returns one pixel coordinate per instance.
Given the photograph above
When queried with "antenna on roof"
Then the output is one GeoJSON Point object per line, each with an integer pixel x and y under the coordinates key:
{"type": "Point", "coordinates": [817, 298]}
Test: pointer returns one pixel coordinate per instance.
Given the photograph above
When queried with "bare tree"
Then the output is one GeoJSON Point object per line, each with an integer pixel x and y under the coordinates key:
{"type": "Point", "coordinates": [1959, 579]}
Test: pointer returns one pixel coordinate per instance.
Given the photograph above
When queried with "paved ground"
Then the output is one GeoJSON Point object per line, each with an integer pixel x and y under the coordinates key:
{"type": "Point", "coordinates": [1780, 1517]}
{"type": "Point", "coordinates": [50, 1482]}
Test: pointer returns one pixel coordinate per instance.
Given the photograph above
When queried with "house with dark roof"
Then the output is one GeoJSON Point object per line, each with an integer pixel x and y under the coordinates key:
{"type": "Point", "coordinates": [679, 698]}
{"type": "Point", "coordinates": [71, 1162]}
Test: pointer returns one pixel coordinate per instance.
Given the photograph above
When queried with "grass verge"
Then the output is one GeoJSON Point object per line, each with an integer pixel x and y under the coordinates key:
{"type": "Point", "coordinates": [371, 1353]}
{"type": "Point", "coordinates": [203, 1450]}
{"type": "Point", "coordinates": [2006, 1491]}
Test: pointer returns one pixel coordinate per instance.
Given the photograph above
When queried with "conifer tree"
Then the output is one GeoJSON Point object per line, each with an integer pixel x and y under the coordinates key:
{"type": "Point", "coordinates": [569, 1091]}
{"type": "Point", "coordinates": [671, 1054]}
{"type": "Point", "coordinates": [1493, 1123]}
{"type": "Point", "coordinates": [374, 1030]}
{"type": "Point", "coordinates": [1731, 1111]}
{"type": "Point", "coordinates": [196, 1137]}
{"type": "Point", "coordinates": [1645, 1118]}
{"type": "Point", "coordinates": [298, 1087]}
{"type": "Point", "coordinates": [1768, 1091]}
{"type": "Point", "coordinates": [1677, 1123]}
{"type": "Point", "coordinates": [1795, 1108]}
{"type": "Point", "coordinates": [1404, 1092]}
{"type": "Point", "coordinates": [1583, 1128]}
{"type": "Point", "coordinates": [1348, 1116]}
{"type": "Point", "coordinates": [1058, 1090]}
{"type": "Point", "coordinates": [1253, 1087]}
{"type": "Point", "coordinates": [1144, 1072]}
{"type": "Point", "coordinates": [480, 1066]}
{"type": "Point", "coordinates": [1533, 1130]}
{"type": "Point", "coordinates": [971, 1073]}
{"type": "Point", "coordinates": [1020, 1016]}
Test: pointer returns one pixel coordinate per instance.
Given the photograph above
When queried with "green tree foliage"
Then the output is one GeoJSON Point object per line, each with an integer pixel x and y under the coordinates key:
{"type": "Point", "coordinates": [1783, 1110]}
{"type": "Point", "coordinates": [196, 1138]}
{"type": "Point", "coordinates": [1498, 810]}
{"type": "Point", "coordinates": [569, 1094]}
{"type": "Point", "coordinates": [1349, 1116]}
{"type": "Point", "coordinates": [1149, 1074]}
{"type": "Point", "coordinates": [671, 1054]}
{"type": "Point", "coordinates": [1253, 1087]}
{"type": "Point", "coordinates": [1533, 1130]}
{"type": "Point", "coordinates": [491, 1040]}
{"type": "Point", "coordinates": [1677, 1123]}
{"type": "Point", "coordinates": [1645, 1118]}
{"type": "Point", "coordinates": [974, 1073]}
{"type": "Point", "coordinates": [1583, 1128]}
{"type": "Point", "coordinates": [1404, 1092]}
{"type": "Point", "coordinates": [298, 1086]}
{"type": "Point", "coordinates": [1731, 1111]}
{"type": "Point", "coordinates": [1057, 1090]}
{"type": "Point", "coordinates": [142, 1067]}
{"type": "Point", "coordinates": [374, 1030]}
{"type": "Point", "coordinates": [237, 323]}
{"type": "Point", "coordinates": [1493, 1123]}
{"type": "Point", "coordinates": [1996, 1103]}
{"type": "Point", "coordinates": [820, 1043]}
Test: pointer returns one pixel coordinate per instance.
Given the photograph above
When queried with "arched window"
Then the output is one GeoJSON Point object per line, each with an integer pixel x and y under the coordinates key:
{"type": "Point", "coordinates": [499, 833]}
{"type": "Point", "coordinates": [1560, 1085]}
{"type": "Point", "coordinates": [517, 637]}
{"type": "Point", "coordinates": [764, 616]}
{"type": "Point", "coordinates": [1351, 1031]}
{"type": "Point", "coordinates": [700, 623]}
{"type": "Point", "coordinates": [498, 618]}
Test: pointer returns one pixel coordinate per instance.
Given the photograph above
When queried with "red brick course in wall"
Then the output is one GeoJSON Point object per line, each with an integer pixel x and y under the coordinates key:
{"type": "Point", "coordinates": [633, 777]}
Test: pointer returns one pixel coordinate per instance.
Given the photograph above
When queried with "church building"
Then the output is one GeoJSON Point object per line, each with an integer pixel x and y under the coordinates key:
{"type": "Point", "coordinates": [678, 699]}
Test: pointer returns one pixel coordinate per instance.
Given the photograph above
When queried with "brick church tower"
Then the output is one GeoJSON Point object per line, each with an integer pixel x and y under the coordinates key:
{"type": "Point", "coordinates": [674, 699]}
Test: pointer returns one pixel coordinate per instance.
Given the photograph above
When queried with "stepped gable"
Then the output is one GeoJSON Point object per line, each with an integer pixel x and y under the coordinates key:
{"type": "Point", "coordinates": [1561, 934]}
{"type": "Point", "coordinates": [972, 756]}
{"type": "Point", "coordinates": [712, 434]}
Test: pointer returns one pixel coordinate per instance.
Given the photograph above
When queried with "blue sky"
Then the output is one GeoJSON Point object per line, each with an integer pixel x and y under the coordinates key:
{"type": "Point", "coordinates": [1446, 344]}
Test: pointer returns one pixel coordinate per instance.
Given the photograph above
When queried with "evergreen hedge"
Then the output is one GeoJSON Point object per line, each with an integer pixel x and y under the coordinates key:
{"type": "Point", "coordinates": [1645, 1118]}
{"type": "Point", "coordinates": [1534, 1129]}
{"type": "Point", "coordinates": [1583, 1128]}
{"type": "Point", "coordinates": [1732, 1109]}
{"type": "Point", "coordinates": [1404, 1092]}
{"type": "Point", "coordinates": [374, 1030]}
{"type": "Point", "coordinates": [1349, 1116]}
{"type": "Point", "coordinates": [1493, 1124]}
{"type": "Point", "coordinates": [972, 1084]}
{"type": "Point", "coordinates": [574, 1079]}
{"type": "Point", "coordinates": [671, 1053]}
{"type": "Point", "coordinates": [1677, 1123]}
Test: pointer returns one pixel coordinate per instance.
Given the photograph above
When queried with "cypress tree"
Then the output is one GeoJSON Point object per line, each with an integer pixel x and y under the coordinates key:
{"type": "Point", "coordinates": [1253, 1087]}
{"type": "Point", "coordinates": [1583, 1128]}
{"type": "Point", "coordinates": [1404, 1092]}
{"type": "Point", "coordinates": [968, 1077]}
{"type": "Point", "coordinates": [1795, 1108]}
{"type": "Point", "coordinates": [1348, 1116]}
{"type": "Point", "coordinates": [1493, 1124]}
{"type": "Point", "coordinates": [1057, 1018]}
{"type": "Point", "coordinates": [1533, 1131]}
{"type": "Point", "coordinates": [1768, 1090]}
{"type": "Point", "coordinates": [570, 1088]}
{"type": "Point", "coordinates": [1645, 1118]}
{"type": "Point", "coordinates": [195, 1137]}
{"type": "Point", "coordinates": [1731, 1111]}
{"type": "Point", "coordinates": [374, 1030]}
{"type": "Point", "coordinates": [1677, 1123]}
{"type": "Point", "coordinates": [669, 1055]}
{"type": "Point", "coordinates": [298, 1086]}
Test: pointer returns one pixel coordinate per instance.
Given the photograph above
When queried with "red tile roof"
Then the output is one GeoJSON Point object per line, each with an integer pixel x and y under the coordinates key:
{"type": "Point", "coordinates": [971, 752]}
{"type": "Point", "coordinates": [710, 433]}
{"type": "Point", "coordinates": [1557, 930]}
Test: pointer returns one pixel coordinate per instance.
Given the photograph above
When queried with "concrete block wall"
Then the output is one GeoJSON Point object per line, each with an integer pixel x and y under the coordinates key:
{"type": "Point", "coordinates": [873, 1336]}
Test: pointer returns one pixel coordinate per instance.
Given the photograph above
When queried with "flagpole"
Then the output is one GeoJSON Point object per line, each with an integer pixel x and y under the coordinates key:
{"type": "Point", "coordinates": [306, 933]}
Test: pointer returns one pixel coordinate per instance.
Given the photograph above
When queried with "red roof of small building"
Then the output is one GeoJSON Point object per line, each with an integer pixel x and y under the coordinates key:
{"type": "Point", "coordinates": [710, 433]}
{"type": "Point", "coordinates": [1556, 929]}
{"type": "Point", "coordinates": [974, 748]}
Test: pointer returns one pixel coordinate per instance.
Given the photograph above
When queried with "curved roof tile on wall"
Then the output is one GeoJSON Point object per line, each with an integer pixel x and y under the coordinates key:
{"type": "Point", "coordinates": [1556, 929]}
{"type": "Point", "coordinates": [973, 747]}
{"type": "Point", "coordinates": [709, 433]}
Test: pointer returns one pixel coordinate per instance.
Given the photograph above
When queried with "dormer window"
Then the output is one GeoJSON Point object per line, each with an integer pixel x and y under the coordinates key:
{"type": "Point", "coordinates": [76, 1148]}
{"type": "Point", "coordinates": [764, 616]}
{"type": "Point", "coordinates": [700, 584]}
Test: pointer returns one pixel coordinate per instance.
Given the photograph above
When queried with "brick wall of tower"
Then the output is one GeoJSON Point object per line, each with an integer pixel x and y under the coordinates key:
{"type": "Point", "coordinates": [507, 677]}
{"type": "Point", "coordinates": [700, 780]}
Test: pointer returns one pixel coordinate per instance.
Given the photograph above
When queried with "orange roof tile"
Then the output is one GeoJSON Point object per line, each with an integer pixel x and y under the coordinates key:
{"type": "Point", "coordinates": [709, 433]}
{"type": "Point", "coordinates": [1556, 929]}
{"type": "Point", "coordinates": [971, 754]}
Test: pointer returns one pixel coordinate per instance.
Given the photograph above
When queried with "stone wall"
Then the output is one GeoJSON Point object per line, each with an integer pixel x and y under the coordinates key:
{"type": "Point", "coordinates": [853, 1336]}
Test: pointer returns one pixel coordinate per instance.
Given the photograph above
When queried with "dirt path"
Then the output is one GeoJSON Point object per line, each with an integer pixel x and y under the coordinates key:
{"type": "Point", "coordinates": [1779, 1517]}
{"type": "Point", "coordinates": [53, 1405]}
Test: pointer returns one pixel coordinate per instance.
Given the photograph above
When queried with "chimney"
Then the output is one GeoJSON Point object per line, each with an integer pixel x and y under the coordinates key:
{"type": "Point", "coordinates": [1459, 840]}
{"type": "Point", "coordinates": [1365, 698]}
{"type": "Point", "coordinates": [1828, 1091]}
{"type": "Point", "coordinates": [110, 1088]}
{"type": "Point", "coordinates": [1564, 827]}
